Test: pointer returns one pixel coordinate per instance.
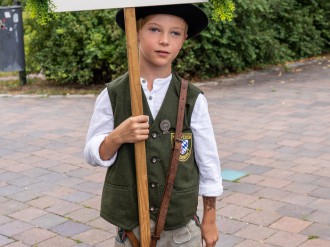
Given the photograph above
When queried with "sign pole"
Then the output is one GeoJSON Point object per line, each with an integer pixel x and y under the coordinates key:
{"type": "Point", "coordinates": [137, 109]}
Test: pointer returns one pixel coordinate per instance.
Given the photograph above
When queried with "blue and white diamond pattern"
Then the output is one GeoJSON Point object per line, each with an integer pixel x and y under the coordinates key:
{"type": "Point", "coordinates": [184, 147]}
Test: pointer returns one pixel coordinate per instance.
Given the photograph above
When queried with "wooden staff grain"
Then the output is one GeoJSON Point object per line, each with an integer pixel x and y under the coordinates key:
{"type": "Point", "coordinates": [137, 109]}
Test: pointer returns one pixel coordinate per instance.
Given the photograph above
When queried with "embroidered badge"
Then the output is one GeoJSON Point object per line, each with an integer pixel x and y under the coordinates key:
{"type": "Point", "coordinates": [186, 146]}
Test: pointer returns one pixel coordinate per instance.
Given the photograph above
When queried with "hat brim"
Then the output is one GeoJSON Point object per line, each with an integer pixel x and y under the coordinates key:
{"type": "Point", "coordinates": [195, 17]}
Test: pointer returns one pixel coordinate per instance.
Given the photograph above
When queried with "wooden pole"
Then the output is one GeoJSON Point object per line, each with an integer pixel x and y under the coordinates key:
{"type": "Point", "coordinates": [137, 109]}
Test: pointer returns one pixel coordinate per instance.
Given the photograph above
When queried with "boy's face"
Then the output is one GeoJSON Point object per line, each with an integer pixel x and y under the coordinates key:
{"type": "Point", "coordinates": [160, 39]}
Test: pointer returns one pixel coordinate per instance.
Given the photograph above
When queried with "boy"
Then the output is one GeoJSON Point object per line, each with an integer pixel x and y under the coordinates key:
{"type": "Point", "coordinates": [162, 31]}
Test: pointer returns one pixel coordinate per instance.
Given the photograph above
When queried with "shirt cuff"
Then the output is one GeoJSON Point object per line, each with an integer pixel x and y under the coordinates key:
{"type": "Point", "coordinates": [211, 190]}
{"type": "Point", "coordinates": [93, 152]}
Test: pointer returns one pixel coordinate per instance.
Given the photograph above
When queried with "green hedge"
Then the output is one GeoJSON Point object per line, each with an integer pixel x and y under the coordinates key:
{"type": "Point", "coordinates": [88, 47]}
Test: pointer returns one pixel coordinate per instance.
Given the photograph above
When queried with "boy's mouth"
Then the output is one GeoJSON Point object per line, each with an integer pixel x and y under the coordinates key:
{"type": "Point", "coordinates": [162, 52]}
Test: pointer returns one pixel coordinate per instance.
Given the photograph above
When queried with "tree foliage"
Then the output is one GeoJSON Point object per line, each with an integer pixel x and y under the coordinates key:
{"type": "Point", "coordinates": [88, 47]}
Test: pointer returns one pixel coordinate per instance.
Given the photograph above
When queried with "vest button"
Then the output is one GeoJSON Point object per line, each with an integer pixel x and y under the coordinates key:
{"type": "Point", "coordinates": [153, 185]}
{"type": "Point", "coordinates": [154, 160]}
{"type": "Point", "coordinates": [154, 135]}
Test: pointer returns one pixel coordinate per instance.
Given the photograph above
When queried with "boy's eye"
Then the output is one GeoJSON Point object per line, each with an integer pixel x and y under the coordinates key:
{"type": "Point", "coordinates": [176, 33]}
{"type": "Point", "coordinates": [154, 29]}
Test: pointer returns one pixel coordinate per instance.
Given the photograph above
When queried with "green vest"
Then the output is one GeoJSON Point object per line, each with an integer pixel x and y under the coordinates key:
{"type": "Point", "coordinates": [119, 203]}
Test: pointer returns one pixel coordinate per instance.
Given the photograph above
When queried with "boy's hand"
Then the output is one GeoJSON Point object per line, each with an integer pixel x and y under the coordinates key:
{"type": "Point", "coordinates": [209, 227]}
{"type": "Point", "coordinates": [210, 234]}
{"type": "Point", "coordinates": [133, 129]}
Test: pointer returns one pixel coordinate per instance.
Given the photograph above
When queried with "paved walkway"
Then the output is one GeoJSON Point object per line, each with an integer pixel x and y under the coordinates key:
{"type": "Point", "coordinates": [273, 125]}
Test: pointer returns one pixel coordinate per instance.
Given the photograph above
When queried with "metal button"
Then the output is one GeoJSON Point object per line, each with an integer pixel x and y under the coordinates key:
{"type": "Point", "coordinates": [152, 209]}
{"type": "Point", "coordinates": [153, 185]}
{"type": "Point", "coordinates": [154, 135]}
{"type": "Point", "coordinates": [154, 160]}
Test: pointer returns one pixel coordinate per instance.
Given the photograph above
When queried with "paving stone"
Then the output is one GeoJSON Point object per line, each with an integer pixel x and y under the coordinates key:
{"type": "Point", "coordinates": [323, 181]}
{"type": "Point", "coordinates": [62, 207]}
{"type": "Point", "coordinates": [256, 169]}
{"type": "Point", "coordinates": [234, 212]}
{"type": "Point", "coordinates": [14, 227]}
{"type": "Point", "coordinates": [25, 195]}
{"type": "Point", "coordinates": [58, 241]}
{"type": "Point", "coordinates": [228, 240]}
{"type": "Point", "coordinates": [320, 204]}
{"type": "Point", "coordinates": [296, 211]}
{"type": "Point", "coordinates": [35, 172]}
{"type": "Point", "coordinates": [266, 205]}
{"type": "Point", "coordinates": [272, 193]}
{"type": "Point", "coordinates": [252, 179]}
{"type": "Point", "coordinates": [4, 219]}
{"type": "Point", "coordinates": [11, 206]}
{"type": "Point", "coordinates": [301, 188]}
{"type": "Point", "coordinates": [96, 203]}
{"type": "Point", "coordinates": [262, 218]}
{"type": "Point", "coordinates": [34, 236]}
{"type": "Point", "coordinates": [321, 192]}
{"type": "Point", "coordinates": [106, 243]}
{"type": "Point", "coordinates": [17, 244]}
{"type": "Point", "coordinates": [316, 243]}
{"type": "Point", "coordinates": [319, 216]}
{"type": "Point", "coordinates": [100, 223]}
{"type": "Point", "coordinates": [251, 243]}
{"type": "Point", "coordinates": [78, 196]}
{"type": "Point", "coordinates": [245, 188]}
{"type": "Point", "coordinates": [28, 214]}
{"type": "Point", "coordinates": [69, 228]}
{"type": "Point", "coordinates": [93, 236]}
{"type": "Point", "coordinates": [285, 239]}
{"type": "Point", "coordinates": [274, 182]}
{"type": "Point", "coordinates": [81, 172]}
{"type": "Point", "coordinates": [48, 221]}
{"type": "Point", "coordinates": [9, 189]}
{"type": "Point", "coordinates": [256, 233]}
{"type": "Point", "coordinates": [279, 173]}
{"type": "Point", "coordinates": [4, 240]}
{"type": "Point", "coordinates": [316, 229]}
{"type": "Point", "coordinates": [304, 178]}
{"type": "Point", "coordinates": [299, 199]}
{"type": "Point", "coordinates": [240, 199]}
{"type": "Point", "coordinates": [229, 226]}
{"type": "Point", "coordinates": [90, 187]}
{"type": "Point", "coordinates": [84, 215]}
{"type": "Point", "coordinates": [290, 224]}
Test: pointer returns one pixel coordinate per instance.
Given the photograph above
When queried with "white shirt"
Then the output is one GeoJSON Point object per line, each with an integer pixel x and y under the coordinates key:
{"type": "Point", "coordinates": [205, 148]}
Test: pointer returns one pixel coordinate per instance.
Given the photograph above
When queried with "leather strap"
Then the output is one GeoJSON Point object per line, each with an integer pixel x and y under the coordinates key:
{"type": "Point", "coordinates": [131, 236]}
{"type": "Point", "coordinates": [173, 167]}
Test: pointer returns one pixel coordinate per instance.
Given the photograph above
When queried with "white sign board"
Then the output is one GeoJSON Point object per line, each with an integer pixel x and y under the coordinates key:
{"type": "Point", "coordinates": [78, 5]}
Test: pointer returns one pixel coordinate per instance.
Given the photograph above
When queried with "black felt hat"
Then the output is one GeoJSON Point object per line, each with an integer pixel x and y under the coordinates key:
{"type": "Point", "coordinates": [195, 17]}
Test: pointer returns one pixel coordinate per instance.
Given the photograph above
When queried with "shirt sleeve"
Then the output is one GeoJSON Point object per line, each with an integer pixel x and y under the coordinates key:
{"type": "Point", "coordinates": [205, 150]}
{"type": "Point", "coordinates": [102, 123]}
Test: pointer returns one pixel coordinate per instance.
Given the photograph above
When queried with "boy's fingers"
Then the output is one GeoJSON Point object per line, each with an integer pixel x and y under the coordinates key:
{"type": "Point", "coordinates": [142, 118]}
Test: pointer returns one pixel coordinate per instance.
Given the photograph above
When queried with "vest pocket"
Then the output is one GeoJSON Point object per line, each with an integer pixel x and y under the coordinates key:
{"type": "Point", "coordinates": [183, 206]}
{"type": "Point", "coordinates": [119, 205]}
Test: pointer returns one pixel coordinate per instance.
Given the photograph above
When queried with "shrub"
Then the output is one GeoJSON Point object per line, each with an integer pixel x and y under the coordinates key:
{"type": "Point", "coordinates": [88, 47]}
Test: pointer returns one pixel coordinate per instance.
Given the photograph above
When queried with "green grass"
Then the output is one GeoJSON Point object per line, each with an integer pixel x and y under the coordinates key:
{"type": "Point", "coordinates": [44, 87]}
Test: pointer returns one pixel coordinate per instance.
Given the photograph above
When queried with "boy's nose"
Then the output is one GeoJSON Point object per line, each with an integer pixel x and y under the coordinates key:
{"type": "Point", "coordinates": [163, 39]}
